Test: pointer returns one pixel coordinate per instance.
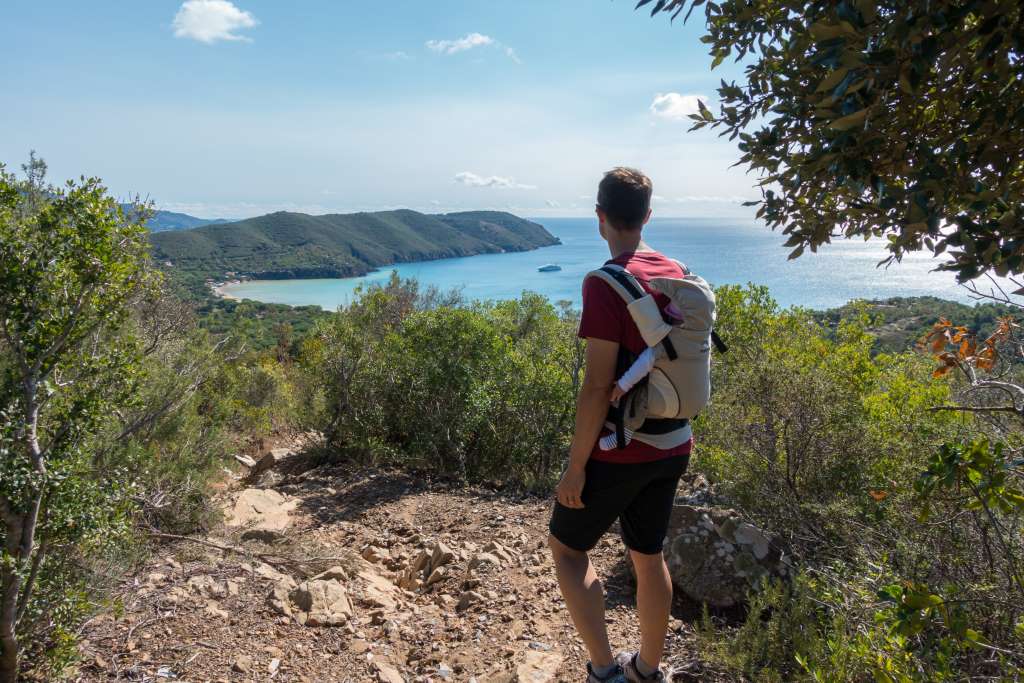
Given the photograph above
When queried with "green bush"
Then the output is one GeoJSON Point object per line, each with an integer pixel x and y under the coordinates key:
{"type": "Point", "coordinates": [475, 392]}
{"type": "Point", "coordinates": [824, 444]}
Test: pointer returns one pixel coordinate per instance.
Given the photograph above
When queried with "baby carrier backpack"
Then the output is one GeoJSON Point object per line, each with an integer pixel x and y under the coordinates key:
{"type": "Point", "coordinates": [679, 385]}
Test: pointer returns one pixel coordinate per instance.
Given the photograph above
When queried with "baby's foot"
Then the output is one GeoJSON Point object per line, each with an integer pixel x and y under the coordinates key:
{"type": "Point", "coordinates": [610, 442]}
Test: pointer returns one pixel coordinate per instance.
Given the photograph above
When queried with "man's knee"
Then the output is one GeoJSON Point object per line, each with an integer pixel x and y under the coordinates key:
{"type": "Point", "coordinates": [648, 565]}
{"type": "Point", "coordinates": [561, 551]}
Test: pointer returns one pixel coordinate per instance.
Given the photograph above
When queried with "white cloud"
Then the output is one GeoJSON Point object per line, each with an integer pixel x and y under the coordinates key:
{"type": "Point", "coordinates": [470, 41]}
{"type": "Point", "coordinates": [675, 107]}
{"type": "Point", "coordinates": [211, 20]}
{"type": "Point", "coordinates": [451, 47]}
{"type": "Point", "coordinates": [398, 56]}
{"type": "Point", "coordinates": [552, 204]}
{"type": "Point", "coordinates": [474, 180]}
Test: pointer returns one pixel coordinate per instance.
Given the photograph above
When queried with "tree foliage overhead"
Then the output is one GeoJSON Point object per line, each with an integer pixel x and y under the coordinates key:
{"type": "Point", "coordinates": [879, 118]}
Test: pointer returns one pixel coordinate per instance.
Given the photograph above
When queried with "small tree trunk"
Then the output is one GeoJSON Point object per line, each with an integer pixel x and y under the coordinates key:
{"type": "Point", "coordinates": [20, 544]}
{"type": "Point", "coordinates": [10, 585]}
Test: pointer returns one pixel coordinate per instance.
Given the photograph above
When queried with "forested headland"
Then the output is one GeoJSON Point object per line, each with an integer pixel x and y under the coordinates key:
{"type": "Point", "coordinates": [286, 245]}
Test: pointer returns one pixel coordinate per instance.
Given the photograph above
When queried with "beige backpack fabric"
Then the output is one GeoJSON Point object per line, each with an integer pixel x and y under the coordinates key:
{"type": "Point", "coordinates": [679, 386]}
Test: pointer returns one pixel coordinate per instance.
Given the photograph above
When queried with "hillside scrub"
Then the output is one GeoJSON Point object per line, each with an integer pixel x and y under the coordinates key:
{"type": "Point", "coordinates": [810, 433]}
{"type": "Point", "coordinates": [478, 392]}
{"type": "Point", "coordinates": [827, 445]}
{"type": "Point", "coordinates": [116, 411]}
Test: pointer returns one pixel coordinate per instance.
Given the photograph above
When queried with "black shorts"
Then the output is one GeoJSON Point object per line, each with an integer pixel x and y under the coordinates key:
{"type": "Point", "coordinates": [639, 495]}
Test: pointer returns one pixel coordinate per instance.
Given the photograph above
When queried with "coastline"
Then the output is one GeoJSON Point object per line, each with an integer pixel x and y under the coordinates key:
{"type": "Point", "coordinates": [723, 252]}
{"type": "Point", "coordinates": [218, 289]}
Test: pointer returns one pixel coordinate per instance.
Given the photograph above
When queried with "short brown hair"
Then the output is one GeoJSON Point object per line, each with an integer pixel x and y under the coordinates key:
{"type": "Point", "coordinates": [625, 196]}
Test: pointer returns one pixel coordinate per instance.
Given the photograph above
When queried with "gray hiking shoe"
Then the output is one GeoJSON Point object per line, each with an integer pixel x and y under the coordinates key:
{"type": "Point", "coordinates": [616, 676]}
{"type": "Point", "coordinates": [627, 662]}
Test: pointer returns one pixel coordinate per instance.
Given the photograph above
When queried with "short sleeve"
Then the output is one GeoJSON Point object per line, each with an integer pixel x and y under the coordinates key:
{"type": "Point", "coordinates": [603, 311]}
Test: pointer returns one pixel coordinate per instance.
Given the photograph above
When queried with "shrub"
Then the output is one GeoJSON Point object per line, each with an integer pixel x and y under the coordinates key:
{"type": "Point", "coordinates": [70, 265]}
{"type": "Point", "coordinates": [831, 448]}
{"type": "Point", "coordinates": [478, 392]}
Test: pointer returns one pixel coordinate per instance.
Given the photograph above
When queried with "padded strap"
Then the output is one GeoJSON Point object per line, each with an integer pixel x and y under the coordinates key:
{"type": "Point", "coordinates": [621, 280]}
{"type": "Point", "coordinates": [630, 289]}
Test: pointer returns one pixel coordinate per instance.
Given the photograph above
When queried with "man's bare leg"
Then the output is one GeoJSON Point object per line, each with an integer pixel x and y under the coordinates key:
{"type": "Point", "coordinates": [653, 605]}
{"type": "Point", "coordinates": [584, 598]}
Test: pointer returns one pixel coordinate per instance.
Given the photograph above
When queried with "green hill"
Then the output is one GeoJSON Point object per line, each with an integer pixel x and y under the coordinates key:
{"type": "Point", "coordinates": [287, 245]}
{"type": "Point", "coordinates": [169, 220]}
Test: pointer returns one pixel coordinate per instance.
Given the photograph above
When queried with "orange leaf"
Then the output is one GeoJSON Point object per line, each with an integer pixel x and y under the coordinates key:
{"type": "Point", "coordinates": [879, 496]}
{"type": "Point", "coordinates": [941, 371]}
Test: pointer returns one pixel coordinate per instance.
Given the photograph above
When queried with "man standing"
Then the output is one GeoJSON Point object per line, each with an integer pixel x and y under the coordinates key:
{"type": "Point", "coordinates": [635, 484]}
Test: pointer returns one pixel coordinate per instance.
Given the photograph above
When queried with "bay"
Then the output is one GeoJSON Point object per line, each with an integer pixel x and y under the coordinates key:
{"type": "Point", "coordinates": [723, 251]}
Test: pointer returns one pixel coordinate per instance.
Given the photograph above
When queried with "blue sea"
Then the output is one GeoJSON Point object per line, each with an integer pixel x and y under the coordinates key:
{"type": "Point", "coordinates": [723, 251]}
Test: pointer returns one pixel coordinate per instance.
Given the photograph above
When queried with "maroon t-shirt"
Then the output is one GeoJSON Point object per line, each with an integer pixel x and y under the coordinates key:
{"type": "Point", "coordinates": [605, 317]}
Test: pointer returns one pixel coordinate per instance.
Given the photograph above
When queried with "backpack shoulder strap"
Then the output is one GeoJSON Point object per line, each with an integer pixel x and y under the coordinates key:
{"type": "Point", "coordinates": [621, 280]}
{"type": "Point", "coordinates": [630, 289]}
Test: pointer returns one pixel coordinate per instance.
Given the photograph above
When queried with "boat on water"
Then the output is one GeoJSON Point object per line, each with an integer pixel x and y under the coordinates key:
{"type": "Point", "coordinates": [549, 268]}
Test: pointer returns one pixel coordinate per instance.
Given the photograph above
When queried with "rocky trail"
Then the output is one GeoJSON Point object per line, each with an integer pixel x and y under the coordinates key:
{"type": "Point", "coordinates": [343, 574]}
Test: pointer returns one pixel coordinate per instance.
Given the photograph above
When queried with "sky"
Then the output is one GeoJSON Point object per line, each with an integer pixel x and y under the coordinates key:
{"type": "Point", "coordinates": [231, 109]}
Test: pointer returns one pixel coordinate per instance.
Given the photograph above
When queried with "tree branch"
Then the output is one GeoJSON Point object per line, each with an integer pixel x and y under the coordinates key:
{"type": "Point", "coordinates": [271, 559]}
{"type": "Point", "coordinates": [978, 409]}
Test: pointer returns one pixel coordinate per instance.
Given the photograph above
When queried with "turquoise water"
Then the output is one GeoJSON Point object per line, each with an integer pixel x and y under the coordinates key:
{"type": "Point", "coordinates": [723, 251]}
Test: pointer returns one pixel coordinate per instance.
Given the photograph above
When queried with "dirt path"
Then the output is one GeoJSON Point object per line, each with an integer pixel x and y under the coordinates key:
{"type": "Point", "coordinates": [491, 612]}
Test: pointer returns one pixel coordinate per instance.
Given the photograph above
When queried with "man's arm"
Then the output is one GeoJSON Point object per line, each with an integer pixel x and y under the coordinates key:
{"type": "Point", "coordinates": [591, 410]}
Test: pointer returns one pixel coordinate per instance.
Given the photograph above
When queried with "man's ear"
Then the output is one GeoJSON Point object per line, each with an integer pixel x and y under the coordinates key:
{"type": "Point", "coordinates": [648, 216]}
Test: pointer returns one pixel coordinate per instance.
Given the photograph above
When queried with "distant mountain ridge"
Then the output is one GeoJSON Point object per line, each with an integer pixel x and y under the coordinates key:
{"type": "Point", "coordinates": [286, 245]}
{"type": "Point", "coordinates": [161, 221]}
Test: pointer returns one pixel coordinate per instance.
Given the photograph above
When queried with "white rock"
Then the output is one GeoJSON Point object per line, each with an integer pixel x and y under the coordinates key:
{"type": "Point", "coordinates": [320, 603]}
{"type": "Point", "coordinates": [538, 667]}
{"type": "Point", "coordinates": [484, 558]}
{"type": "Point", "coordinates": [387, 674]}
{"type": "Point", "coordinates": [261, 509]}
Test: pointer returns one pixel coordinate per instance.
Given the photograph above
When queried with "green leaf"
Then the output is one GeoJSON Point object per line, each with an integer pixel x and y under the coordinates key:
{"type": "Point", "coordinates": [704, 111]}
{"type": "Point", "coordinates": [832, 79]}
{"type": "Point", "coordinates": [821, 31]}
{"type": "Point", "coordinates": [850, 121]}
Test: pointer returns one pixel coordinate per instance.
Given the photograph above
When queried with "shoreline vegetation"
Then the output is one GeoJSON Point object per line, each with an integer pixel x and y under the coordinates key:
{"type": "Point", "coordinates": [897, 323]}
{"type": "Point", "coordinates": [219, 291]}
